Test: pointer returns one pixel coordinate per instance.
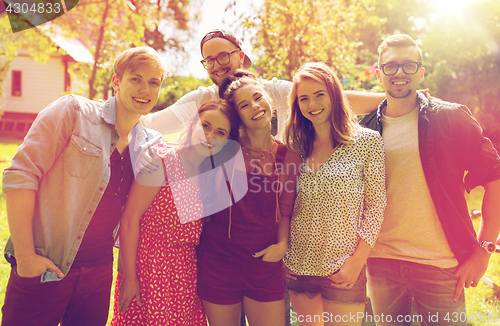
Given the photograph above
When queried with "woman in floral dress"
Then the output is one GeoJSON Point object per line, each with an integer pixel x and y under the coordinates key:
{"type": "Point", "coordinates": [161, 226]}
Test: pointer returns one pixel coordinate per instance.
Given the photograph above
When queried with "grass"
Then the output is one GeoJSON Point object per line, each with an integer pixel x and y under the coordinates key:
{"type": "Point", "coordinates": [8, 148]}
{"type": "Point", "coordinates": [480, 300]}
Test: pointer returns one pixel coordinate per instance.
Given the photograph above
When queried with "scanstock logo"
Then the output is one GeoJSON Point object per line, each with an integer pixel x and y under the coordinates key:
{"type": "Point", "coordinates": [25, 14]}
{"type": "Point", "coordinates": [201, 189]}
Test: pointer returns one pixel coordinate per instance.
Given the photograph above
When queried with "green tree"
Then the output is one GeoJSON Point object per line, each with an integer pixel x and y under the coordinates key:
{"type": "Point", "coordinates": [463, 61]}
{"type": "Point", "coordinates": [109, 27]}
{"type": "Point", "coordinates": [461, 53]}
{"type": "Point", "coordinates": [289, 33]}
{"type": "Point", "coordinates": [177, 86]}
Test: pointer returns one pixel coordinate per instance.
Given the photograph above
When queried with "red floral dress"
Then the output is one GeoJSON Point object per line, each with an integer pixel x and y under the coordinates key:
{"type": "Point", "coordinates": [166, 263]}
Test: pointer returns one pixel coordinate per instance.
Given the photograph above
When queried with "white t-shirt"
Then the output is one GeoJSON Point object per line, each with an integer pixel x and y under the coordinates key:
{"type": "Point", "coordinates": [411, 230]}
{"type": "Point", "coordinates": [185, 107]}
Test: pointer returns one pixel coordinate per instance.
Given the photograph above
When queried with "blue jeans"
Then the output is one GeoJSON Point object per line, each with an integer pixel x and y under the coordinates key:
{"type": "Point", "coordinates": [392, 284]}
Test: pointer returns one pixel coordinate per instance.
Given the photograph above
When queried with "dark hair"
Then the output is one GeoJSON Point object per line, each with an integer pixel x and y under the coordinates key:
{"type": "Point", "coordinates": [239, 79]}
{"type": "Point", "coordinates": [299, 131]}
{"type": "Point", "coordinates": [227, 35]}
{"type": "Point", "coordinates": [239, 73]}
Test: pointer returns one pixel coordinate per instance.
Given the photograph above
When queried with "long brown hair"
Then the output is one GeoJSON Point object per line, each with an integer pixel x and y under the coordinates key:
{"type": "Point", "coordinates": [299, 131]}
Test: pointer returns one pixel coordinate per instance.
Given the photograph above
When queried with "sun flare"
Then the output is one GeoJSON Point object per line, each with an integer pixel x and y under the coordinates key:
{"type": "Point", "coordinates": [450, 6]}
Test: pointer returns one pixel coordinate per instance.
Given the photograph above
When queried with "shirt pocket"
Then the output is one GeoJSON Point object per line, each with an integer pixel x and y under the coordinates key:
{"type": "Point", "coordinates": [80, 156]}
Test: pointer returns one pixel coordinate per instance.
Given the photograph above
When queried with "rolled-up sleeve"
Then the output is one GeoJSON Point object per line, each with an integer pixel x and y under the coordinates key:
{"type": "Point", "coordinates": [375, 198]}
{"type": "Point", "coordinates": [45, 141]}
{"type": "Point", "coordinates": [480, 157]}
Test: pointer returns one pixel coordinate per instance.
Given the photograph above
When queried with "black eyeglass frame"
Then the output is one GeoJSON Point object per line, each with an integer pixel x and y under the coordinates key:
{"type": "Point", "coordinates": [402, 66]}
{"type": "Point", "coordinates": [205, 62]}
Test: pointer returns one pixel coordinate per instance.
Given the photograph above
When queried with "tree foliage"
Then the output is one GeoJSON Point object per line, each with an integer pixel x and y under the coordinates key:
{"type": "Point", "coordinates": [463, 60]}
{"type": "Point", "coordinates": [175, 87]}
{"type": "Point", "coordinates": [108, 27]}
{"type": "Point", "coordinates": [290, 33]}
{"type": "Point", "coordinates": [461, 51]}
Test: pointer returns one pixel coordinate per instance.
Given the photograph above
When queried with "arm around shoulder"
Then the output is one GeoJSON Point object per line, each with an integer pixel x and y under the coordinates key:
{"type": "Point", "coordinates": [173, 118]}
{"type": "Point", "coordinates": [364, 102]}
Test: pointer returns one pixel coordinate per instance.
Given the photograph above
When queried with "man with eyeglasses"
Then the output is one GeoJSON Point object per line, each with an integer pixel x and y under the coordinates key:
{"type": "Point", "coordinates": [222, 56]}
{"type": "Point", "coordinates": [427, 248]}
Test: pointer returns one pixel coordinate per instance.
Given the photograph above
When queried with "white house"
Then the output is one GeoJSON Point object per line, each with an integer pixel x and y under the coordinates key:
{"type": "Point", "coordinates": [30, 86]}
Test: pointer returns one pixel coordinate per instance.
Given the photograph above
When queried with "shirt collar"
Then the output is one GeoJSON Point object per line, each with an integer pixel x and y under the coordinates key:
{"type": "Point", "coordinates": [109, 111]}
{"type": "Point", "coordinates": [141, 137]}
{"type": "Point", "coordinates": [423, 103]}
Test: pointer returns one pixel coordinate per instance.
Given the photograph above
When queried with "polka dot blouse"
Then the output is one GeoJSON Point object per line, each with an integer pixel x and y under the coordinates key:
{"type": "Point", "coordinates": [340, 204]}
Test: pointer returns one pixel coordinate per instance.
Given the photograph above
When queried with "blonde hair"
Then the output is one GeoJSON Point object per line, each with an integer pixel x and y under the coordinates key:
{"type": "Point", "coordinates": [299, 131]}
{"type": "Point", "coordinates": [134, 57]}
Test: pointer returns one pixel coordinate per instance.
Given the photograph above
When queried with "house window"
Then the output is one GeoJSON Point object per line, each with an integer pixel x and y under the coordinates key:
{"type": "Point", "coordinates": [16, 83]}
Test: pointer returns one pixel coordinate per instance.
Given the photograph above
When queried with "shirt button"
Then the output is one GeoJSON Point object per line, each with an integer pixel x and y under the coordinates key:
{"type": "Point", "coordinates": [67, 264]}
{"type": "Point", "coordinates": [112, 144]}
{"type": "Point", "coordinates": [109, 164]}
{"type": "Point", "coordinates": [90, 212]}
{"type": "Point", "coordinates": [101, 189]}
{"type": "Point", "coordinates": [79, 237]}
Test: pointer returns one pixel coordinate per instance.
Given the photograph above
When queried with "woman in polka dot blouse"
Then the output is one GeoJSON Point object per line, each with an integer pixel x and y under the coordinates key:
{"type": "Point", "coordinates": [340, 199]}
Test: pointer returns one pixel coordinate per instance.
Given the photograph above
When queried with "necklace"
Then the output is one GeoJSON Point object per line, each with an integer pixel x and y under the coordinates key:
{"type": "Point", "coordinates": [260, 153]}
{"type": "Point", "coordinates": [257, 155]}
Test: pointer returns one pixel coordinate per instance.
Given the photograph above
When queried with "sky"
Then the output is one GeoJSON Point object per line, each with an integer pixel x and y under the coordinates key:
{"type": "Point", "coordinates": [212, 16]}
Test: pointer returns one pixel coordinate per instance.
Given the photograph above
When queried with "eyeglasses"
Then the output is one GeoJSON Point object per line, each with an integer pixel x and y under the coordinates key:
{"type": "Point", "coordinates": [409, 68]}
{"type": "Point", "coordinates": [222, 59]}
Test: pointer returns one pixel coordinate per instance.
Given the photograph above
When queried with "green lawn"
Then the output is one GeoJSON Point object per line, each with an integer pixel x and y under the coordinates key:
{"type": "Point", "coordinates": [7, 149]}
{"type": "Point", "coordinates": [481, 300]}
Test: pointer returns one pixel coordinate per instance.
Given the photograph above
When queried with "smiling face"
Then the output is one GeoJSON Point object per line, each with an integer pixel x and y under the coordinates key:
{"type": "Point", "coordinates": [137, 91]}
{"type": "Point", "coordinates": [314, 101]}
{"type": "Point", "coordinates": [400, 85]}
{"type": "Point", "coordinates": [212, 48]}
{"type": "Point", "coordinates": [210, 133]}
{"type": "Point", "coordinates": [253, 107]}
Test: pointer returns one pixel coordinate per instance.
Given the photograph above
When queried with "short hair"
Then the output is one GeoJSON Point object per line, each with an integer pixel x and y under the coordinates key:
{"type": "Point", "coordinates": [226, 35]}
{"type": "Point", "coordinates": [398, 41]}
{"type": "Point", "coordinates": [299, 131]}
{"type": "Point", "coordinates": [134, 57]}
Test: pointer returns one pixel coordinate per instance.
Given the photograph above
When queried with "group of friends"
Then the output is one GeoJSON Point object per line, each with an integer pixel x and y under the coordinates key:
{"type": "Point", "coordinates": [273, 189]}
